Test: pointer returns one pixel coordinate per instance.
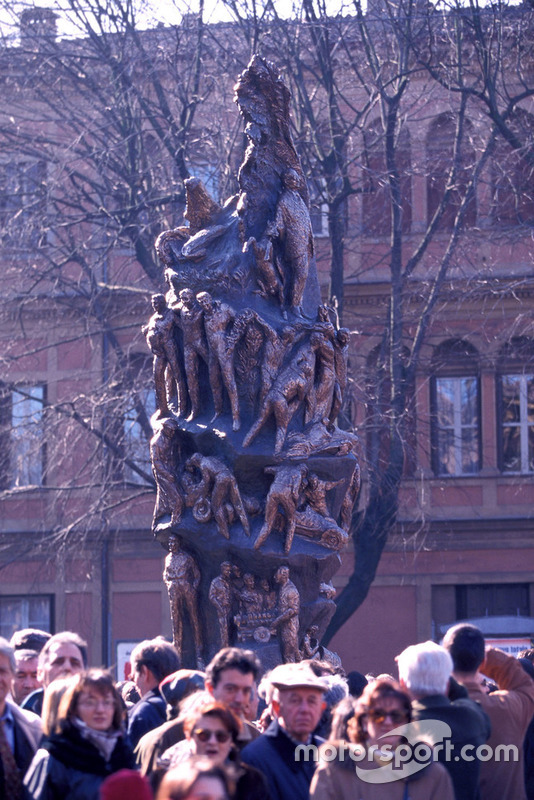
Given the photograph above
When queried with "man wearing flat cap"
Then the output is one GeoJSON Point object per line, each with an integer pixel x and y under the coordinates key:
{"type": "Point", "coordinates": [297, 705]}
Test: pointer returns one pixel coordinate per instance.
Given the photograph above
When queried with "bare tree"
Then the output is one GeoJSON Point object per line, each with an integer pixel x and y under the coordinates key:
{"type": "Point", "coordinates": [99, 130]}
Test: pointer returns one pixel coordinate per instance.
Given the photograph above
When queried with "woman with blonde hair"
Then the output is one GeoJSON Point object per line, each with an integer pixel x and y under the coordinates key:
{"type": "Point", "coordinates": [87, 742]}
{"type": "Point", "coordinates": [51, 700]}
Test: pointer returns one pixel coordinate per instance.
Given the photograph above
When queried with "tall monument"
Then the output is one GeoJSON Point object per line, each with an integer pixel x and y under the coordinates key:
{"type": "Point", "coordinates": [255, 481]}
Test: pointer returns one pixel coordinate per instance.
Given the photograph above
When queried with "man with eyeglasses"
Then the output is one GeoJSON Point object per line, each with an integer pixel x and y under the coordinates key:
{"type": "Point", "coordinates": [425, 672]}
{"type": "Point", "coordinates": [297, 704]}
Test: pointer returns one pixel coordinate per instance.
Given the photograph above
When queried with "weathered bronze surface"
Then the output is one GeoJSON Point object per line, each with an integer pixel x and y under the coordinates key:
{"type": "Point", "coordinates": [250, 370]}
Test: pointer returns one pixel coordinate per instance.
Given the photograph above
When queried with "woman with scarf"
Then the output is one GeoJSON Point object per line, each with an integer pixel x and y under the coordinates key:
{"type": "Point", "coordinates": [87, 744]}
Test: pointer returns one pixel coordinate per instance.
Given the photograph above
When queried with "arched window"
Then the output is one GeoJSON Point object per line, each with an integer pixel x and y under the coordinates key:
{"type": "Point", "coordinates": [455, 407]}
{"type": "Point", "coordinates": [513, 175]}
{"type": "Point", "coordinates": [440, 148]}
{"type": "Point", "coordinates": [376, 207]}
{"type": "Point", "coordinates": [515, 403]}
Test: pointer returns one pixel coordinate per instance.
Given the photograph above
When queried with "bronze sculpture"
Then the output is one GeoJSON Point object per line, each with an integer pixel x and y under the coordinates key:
{"type": "Point", "coordinates": [293, 386]}
{"type": "Point", "coordinates": [217, 319]}
{"type": "Point", "coordinates": [285, 492]}
{"type": "Point", "coordinates": [191, 316]}
{"type": "Point", "coordinates": [259, 354]}
{"type": "Point", "coordinates": [287, 621]}
{"type": "Point", "coordinates": [292, 229]}
{"type": "Point", "coordinates": [169, 498]}
{"type": "Point", "coordinates": [221, 486]}
{"type": "Point", "coordinates": [220, 596]}
{"type": "Point", "coordinates": [182, 577]}
{"type": "Point", "coordinates": [159, 335]}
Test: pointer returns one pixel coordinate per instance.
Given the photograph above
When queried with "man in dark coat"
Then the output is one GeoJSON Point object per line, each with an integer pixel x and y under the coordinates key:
{"type": "Point", "coordinates": [424, 672]}
{"type": "Point", "coordinates": [297, 705]}
{"type": "Point", "coordinates": [152, 660]}
{"type": "Point", "coordinates": [20, 731]}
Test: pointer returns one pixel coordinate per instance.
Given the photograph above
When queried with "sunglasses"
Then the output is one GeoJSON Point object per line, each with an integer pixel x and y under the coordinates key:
{"type": "Point", "coordinates": [204, 735]}
{"type": "Point", "coordinates": [379, 715]}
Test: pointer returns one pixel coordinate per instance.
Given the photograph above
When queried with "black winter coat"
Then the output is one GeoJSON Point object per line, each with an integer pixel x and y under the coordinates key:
{"type": "Point", "coordinates": [68, 767]}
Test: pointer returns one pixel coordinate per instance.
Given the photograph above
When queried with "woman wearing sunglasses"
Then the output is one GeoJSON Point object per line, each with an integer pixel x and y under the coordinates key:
{"type": "Point", "coordinates": [211, 730]}
{"type": "Point", "coordinates": [367, 768]}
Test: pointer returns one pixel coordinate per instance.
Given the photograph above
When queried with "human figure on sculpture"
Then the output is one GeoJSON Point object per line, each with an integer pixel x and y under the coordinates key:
{"type": "Point", "coordinates": [293, 386]}
{"type": "Point", "coordinates": [169, 498]}
{"type": "Point", "coordinates": [191, 320]}
{"type": "Point", "coordinates": [250, 600]}
{"type": "Point", "coordinates": [159, 334]}
{"type": "Point", "coordinates": [315, 493]}
{"type": "Point", "coordinates": [220, 596]}
{"type": "Point", "coordinates": [268, 278]}
{"type": "Point", "coordinates": [217, 319]}
{"type": "Point", "coordinates": [285, 492]}
{"type": "Point", "coordinates": [218, 478]}
{"type": "Point", "coordinates": [310, 644]}
{"type": "Point", "coordinates": [268, 595]}
{"type": "Point", "coordinates": [325, 379]}
{"type": "Point", "coordinates": [351, 495]}
{"type": "Point", "coordinates": [286, 623]}
{"type": "Point", "coordinates": [341, 353]}
{"type": "Point", "coordinates": [293, 229]}
{"type": "Point", "coordinates": [275, 347]}
{"type": "Point", "coordinates": [182, 577]}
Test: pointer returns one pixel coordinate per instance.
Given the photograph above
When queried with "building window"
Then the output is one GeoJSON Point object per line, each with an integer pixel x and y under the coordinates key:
{"type": "Point", "coordinates": [22, 462]}
{"type": "Point", "coordinates": [440, 156]}
{"type": "Point", "coordinates": [376, 201]}
{"type": "Point", "coordinates": [455, 410]}
{"type": "Point", "coordinates": [457, 426]}
{"type": "Point", "coordinates": [23, 203]}
{"type": "Point", "coordinates": [136, 444]}
{"type": "Point", "coordinates": [28, 611]}
{"type": "Point", "coordinates": [492, 600]}
{"type": "Point", "coordinates": [378, 415]}
{"type": "Point", "coordinates": [513, 175]}
{"type": "Point", "coordinates": [482, 602]}
{"type": "Point", "coordinates": [515, 403]}
{"type": "Point", "coordinates": [517, 410]}
{"type": "Point", "coordinates": [318, 207]}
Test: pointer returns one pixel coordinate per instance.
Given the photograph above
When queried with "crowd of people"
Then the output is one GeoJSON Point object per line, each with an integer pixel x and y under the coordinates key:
{"type": "Point", "coordinates": [456, 723]}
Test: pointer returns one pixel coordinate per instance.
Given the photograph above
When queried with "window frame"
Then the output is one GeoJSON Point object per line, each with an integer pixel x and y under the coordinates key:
{"type": "Point", "coordinates": [457, 428]}
{"type": "Point", "coordinates": [26, 622]}
{"type": "Point", "coordinates": [23, 202]}
{"type": "Point", "coordinates": [523, 423]}
{"type": "Point", "coordinates": [8, 472]}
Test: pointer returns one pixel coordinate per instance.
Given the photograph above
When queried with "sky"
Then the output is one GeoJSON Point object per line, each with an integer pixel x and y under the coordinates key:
{"type": "Point", "coordinates": [167, 12]}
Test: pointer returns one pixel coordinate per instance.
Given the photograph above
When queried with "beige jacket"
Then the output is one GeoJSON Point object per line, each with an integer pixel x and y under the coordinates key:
{"type": "Point", "coordinates": [337, 780]}
{"type": "Point", "coordinates": [510, 711]}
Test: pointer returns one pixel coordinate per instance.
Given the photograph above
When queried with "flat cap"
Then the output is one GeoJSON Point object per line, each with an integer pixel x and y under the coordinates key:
{"type": "Point", "coordinates": [292, 676]}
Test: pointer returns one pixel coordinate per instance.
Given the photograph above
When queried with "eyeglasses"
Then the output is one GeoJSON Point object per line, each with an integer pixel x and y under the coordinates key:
{"type": "Point", "coordinates": [204, 735]}
{"type": "Point", "coordinates": [379, 716]}
{"type": "Point", "coordinates": [93, 702]}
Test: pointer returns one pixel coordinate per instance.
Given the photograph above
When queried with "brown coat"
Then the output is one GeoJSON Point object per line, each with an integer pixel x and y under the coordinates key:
{"type": "Point", "coordinates": [337, 780]}
{"type": "Point", "coordinates": [510, 711]}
